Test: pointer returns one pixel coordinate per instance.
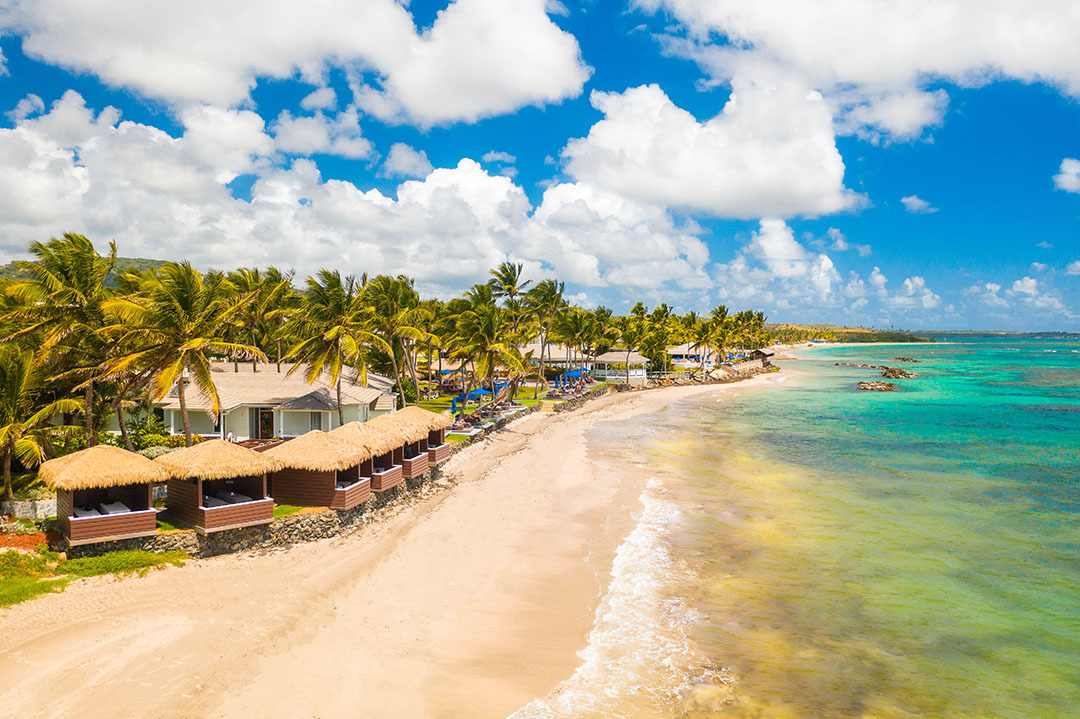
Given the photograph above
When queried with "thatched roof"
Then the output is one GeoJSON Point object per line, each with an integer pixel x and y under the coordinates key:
{"type": "Point", "coordinates": [100, 466]}
{"type": "Point", "coordinates": [413, 423]}
{"type": "Point", "coordinates": [372, 440]}
{"type": "Point", "coordinates": [216, 459]}
{"type": "Point", "coordinates": [619, 357]}
{"type": "Point", "coordinates": [318, 452]}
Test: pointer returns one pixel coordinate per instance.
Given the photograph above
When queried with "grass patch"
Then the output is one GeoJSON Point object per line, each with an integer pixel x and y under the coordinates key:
{"type": "Point", "coordinates": [164, 525]}
{"type": "Point", "coordinates": [124, 563]}
{"type": "Point", "coordinates": [284, 510]}
{"type": "Point", "coordinates": [456, 437]}
{"type": "Point", "coordinates": [27, 575]}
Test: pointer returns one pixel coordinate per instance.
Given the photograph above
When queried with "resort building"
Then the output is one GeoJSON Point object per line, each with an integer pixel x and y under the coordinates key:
{"type": "Point", "coordinates": [103, 493]}
{"type": "Point", "coordinates": [266, 403]}
{"type": "Point", "coordinates": [556, 357]}
{"type": "Point", "coordinates": [688, 355]}
{"type": "Point", "coordinates": [612, 367]}
{"type": "Point", "coordinates": [217, 485]}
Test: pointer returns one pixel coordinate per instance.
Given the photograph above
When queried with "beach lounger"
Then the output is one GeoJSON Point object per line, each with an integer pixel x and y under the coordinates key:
{"type": "Point", "coordinates": [113, 508]}
{"type": "Point", "coordinates": [232, 497]}
{"type": "Point", "coordinates": [80, 512]}
{"type": "Point", "coordinates": [208, 502]}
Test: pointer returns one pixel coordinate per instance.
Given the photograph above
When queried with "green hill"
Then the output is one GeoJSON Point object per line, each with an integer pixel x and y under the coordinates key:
{"type": "Point", "coordinates": [11, 272]}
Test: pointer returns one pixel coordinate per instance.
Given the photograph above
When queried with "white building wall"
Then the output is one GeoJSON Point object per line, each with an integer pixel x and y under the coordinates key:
{"type": "Point", "coordinates": [236, 421]}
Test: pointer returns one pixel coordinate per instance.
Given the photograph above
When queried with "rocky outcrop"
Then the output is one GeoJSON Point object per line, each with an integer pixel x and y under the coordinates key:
{"type": "Point", "coordinates": [906, 359]}
{"type": "Point", "coordinates": [877, 386]}
{"type": "Point", "coordinates": [886, 372]}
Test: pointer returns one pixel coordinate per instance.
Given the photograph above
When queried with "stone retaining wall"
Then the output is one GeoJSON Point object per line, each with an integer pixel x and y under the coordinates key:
{"type": "Point", "coordinates": [29, 508]}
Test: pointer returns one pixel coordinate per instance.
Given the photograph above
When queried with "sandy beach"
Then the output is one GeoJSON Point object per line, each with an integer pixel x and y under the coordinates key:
{"type": "Point", "coordinates": [469, 602]}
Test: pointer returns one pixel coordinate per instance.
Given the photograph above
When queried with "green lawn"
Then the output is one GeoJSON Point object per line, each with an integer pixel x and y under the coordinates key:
{"type": "Point", "coordinates": [27, 575]}
{"type": "Point", "coordinates": [164, 525]}
{"type": "Point", "coordinates": [284, 510]}
{"type": "Point", "coordinates": [524, 396]}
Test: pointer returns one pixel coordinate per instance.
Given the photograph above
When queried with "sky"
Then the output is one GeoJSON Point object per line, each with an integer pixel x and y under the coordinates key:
{"type": "Point", "coordinates": [908, 163]}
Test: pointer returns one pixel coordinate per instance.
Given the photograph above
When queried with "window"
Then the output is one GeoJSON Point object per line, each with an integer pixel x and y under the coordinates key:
{"type": "Point", "coordinates": [316, 420]}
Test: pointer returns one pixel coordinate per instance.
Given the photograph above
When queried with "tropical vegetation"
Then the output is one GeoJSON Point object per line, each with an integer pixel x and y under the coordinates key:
{"type": "Point", "coordinates": [88, 339]}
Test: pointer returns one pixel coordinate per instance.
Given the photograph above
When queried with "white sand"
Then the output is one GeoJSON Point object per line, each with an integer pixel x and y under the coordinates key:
{"type": "Point", "coordinates": [469, 603]}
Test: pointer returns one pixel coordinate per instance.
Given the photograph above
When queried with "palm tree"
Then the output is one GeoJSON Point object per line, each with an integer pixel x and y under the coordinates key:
{"type": "Point", "coordinates": [399, 319]}
{"type": "Point", "coordinates": [486, 337]}
{"type": "Point", "coordinates": [336, 329]}
{"type": "Point", "coordinates": [544, 301]}
{"type": "Point", "coordinates": [25, 431]}
{"type": "Point", "coordinates": [62, 302]}
{"type": "Point", "coordinates": [634, 332]}
{"type": "Point", "coordinates": [507, 284]}
{"type": "Point", "coordinates": [173, 327]}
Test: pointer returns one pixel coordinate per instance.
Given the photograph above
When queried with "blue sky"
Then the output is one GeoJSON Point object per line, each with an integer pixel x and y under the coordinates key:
{"type": "Point", "coordinates": [855, 161]}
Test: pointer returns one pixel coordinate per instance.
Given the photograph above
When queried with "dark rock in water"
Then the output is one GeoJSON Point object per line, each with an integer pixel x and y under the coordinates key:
{"type": "Point", "coordinates": [886, 372]}
{"type": "Point", "coordinates": [906, 359]}
{"type": "Point", "coordinates": [877, 386]}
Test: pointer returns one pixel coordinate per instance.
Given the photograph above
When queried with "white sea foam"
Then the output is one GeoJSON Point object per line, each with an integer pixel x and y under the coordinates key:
{"type": "Point", "coordinates": [640, 659]}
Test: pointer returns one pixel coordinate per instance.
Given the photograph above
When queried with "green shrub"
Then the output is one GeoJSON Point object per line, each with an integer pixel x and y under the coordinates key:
{"type": "Point", "coordinates": [174, 441]}
{"type": "Point", "coordinates": [123, 562]}
{"type": "Point", "coordinates": [155, 452]}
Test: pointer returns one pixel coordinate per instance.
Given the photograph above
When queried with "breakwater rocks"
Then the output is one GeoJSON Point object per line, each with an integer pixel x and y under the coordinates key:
{"type": "Point", "coordinates": [886, 372]}
{"type": "Point", "coordinates": [906, 359]}
{"type": "Point", "coordinates": [876, 386]}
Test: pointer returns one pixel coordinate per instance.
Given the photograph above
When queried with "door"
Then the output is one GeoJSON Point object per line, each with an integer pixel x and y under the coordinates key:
{"type": "Point", "coordinates": [266, 423]}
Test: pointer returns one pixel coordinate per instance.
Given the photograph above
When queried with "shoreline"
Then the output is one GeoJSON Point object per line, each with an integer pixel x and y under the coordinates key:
{"type": "Point", "coordinates": [466, 602]}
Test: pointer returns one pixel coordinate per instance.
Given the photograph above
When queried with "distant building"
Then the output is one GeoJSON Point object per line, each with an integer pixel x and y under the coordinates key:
{"type": "Point", "coordinates": [690, 355]}
{"type": "Point", "coordinates": [765, 355]}
{"type": "Point", "coordinates": [612, 366]}
{"type": "Point", "coordinates": [267, 403]}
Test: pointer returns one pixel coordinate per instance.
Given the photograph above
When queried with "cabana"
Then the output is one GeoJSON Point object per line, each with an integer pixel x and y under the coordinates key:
{"type": "Point", "coordinates": [618, 365]}
{"type": "Point", "coordinates": [103, 493]}
{"type": "Point", "coordinates": [424, 433]}
{"type": "Point", "coordinates": [217, 485]}
{"type": "Point", "coordinates": [319, 470]}
{"type": "Point", "coordinates": [383, 452]}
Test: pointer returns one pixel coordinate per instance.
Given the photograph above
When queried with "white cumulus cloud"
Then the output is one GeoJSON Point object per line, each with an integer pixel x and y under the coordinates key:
{"type": "Point", "coordinates": [917, 206]}
{"type": "Point", "coordinates": [1068, 178]}
{"type": "Point", "coordinates": [405, 161]}
{"type": "Point", "coordinates": [479, 58]}
{"type": "Point", "coordinates": [875, 58]}
{"type": "Point", "coordinates": [771, 152]}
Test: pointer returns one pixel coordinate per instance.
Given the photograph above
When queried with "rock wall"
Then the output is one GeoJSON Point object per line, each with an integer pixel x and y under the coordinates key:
{"type": "Point", "coordinates": [29, 508]}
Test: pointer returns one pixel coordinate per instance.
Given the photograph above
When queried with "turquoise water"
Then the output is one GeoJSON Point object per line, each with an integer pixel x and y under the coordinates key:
{"type": "Point", "coordinates": [814, 551]}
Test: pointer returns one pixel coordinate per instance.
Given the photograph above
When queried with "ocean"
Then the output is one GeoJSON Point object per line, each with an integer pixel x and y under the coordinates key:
{"type": "Point", "coordinates": [814, 551]}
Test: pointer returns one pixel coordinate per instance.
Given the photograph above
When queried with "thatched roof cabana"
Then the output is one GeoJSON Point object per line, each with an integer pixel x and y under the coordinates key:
{"type": "Point", "coordinates": [413, 423]}
{"type": "Point", "coordinates": [372, 440]}
{"type": "Point", "coordinates": [317, 451]}
{"type": "Point", "coordinates": [99, 467]}
{"type": "Point", "coordinates": [216, 459]}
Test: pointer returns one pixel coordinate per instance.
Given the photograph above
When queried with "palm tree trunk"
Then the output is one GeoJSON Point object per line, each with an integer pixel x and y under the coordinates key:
{"type": "Point", "coordinates": [340, 408]}
{"type": "Point", "coordinates": [543, 349]}
{"type": "Point", "coordinates": [254, 360]}
{"type": "Point", "coordinates": [183, 411]}
{"type": "Point", "coordinates": [88, 399]}
{"type": "Point", "coordinates": [8, 494]}
{"type": "Point", "coordinates": [397, 375]}
{"type": "Point", "coordinates": [628, 366]}
{"type": "Point", "coordinates": [412, 370]}
{"type": "Point", "coordinates": [119, 409]}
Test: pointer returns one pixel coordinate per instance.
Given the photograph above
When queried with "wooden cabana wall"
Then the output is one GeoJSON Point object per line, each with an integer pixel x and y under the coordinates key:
{"type": "Point", "coordinates": [141, 521]}
{"type": "Point", "coordinates": [185, 503]}
{"type": "Point", "coordinates": [438, 447]}
{"type": "Point", "coordinates": [320, 470]}
{"type": "Point", "coordinates": [98, 480]}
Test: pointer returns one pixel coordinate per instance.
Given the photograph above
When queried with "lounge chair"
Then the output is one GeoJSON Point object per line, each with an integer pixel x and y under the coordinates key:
{"type": "Point", "coordinates": [113, 508]}
{"type": "Point", "coordinates": [80, 512]}
{"type": "Point", "coordinates": [209, 502]}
